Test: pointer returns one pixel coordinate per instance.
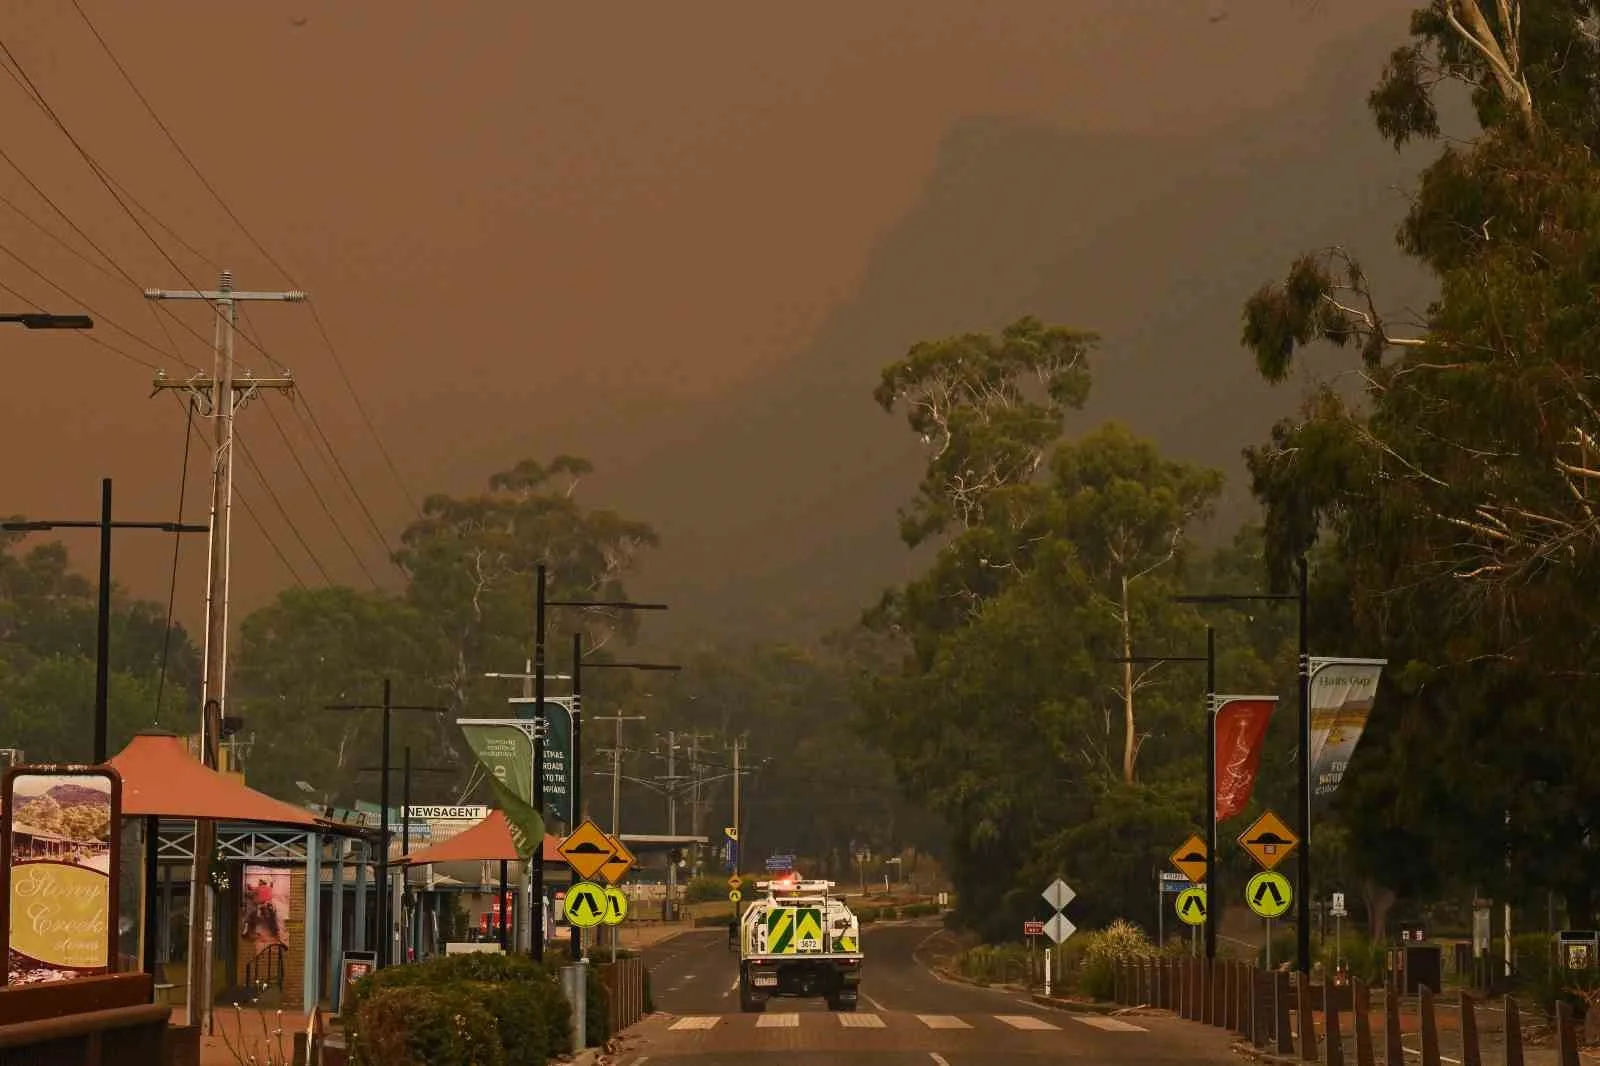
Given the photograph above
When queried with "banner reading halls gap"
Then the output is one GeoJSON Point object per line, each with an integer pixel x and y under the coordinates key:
{"type": "Point", "coordinates": [1342, 693]}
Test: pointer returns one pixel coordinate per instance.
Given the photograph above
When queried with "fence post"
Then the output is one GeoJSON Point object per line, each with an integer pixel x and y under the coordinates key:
{"type": "Point", "coordinates": [1566, 1035]}
{"type": "Point", "coordinates": [1330, 1021]}
{"type": "Point", "coordinates": [1360, 1009]}
{"type": "Point", "coordinates": [1393, 1048]}
{"type": "Point", "coordinates": [1306, 1015]}
{"type": "Point", "coordinates": [1471, 1049]}
{"type": "Point", "coordinates": [1280, 1012]}
{"type": "Point", "coordinates": [1429, 1026]}
{"type": "Point", "coordinates": [1513, 1034]}
{"type": "Point", "coordinates": [1219, 993]}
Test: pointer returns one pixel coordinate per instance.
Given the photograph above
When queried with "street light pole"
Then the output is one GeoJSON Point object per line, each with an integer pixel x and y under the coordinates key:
{"type": "Point", "coordinates": [1210, 659]}
{"type": "Point", "coordinates": [388, 707]}
{"type": "Point", "coordinates": [1302, 598]}
{"type": "Point", "coordinates": [102, 662]}
{"type": "Point", "coordinates": [405, 801]}
{"type": "Point", "coordinates": [542, 601]}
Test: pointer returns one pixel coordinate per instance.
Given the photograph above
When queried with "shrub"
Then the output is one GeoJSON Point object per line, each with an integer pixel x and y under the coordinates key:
{"type": "Point", "coordinates": [994, 964]}
{"type": "Point", "coordinates": [1365, 959]}
{"type": "Point", "coordinates": [705, 889]}
{"type": "Point", "coordinates": [533, 1019]}
{"type": "Point", "coordinates": [1119, 942]}
{"type": "Point", "coordinates": [417, 1026]}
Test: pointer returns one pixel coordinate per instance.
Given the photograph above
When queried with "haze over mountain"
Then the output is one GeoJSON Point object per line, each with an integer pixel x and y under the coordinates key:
{"type": "Point", "coordinates": [681, 244]}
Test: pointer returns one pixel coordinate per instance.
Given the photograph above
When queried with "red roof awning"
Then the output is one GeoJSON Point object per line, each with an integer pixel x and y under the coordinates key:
{"type": "Point", "coordinates": [161, 779]}
{"type": "Point", "coordinates": [488, 841]}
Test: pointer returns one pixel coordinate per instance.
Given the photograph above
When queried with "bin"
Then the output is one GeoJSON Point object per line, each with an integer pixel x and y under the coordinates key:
{"type": "Point", "coordinates": [1423, 965]}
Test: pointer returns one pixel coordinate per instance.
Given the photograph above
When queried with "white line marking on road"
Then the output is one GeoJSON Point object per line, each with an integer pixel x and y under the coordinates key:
{"type": "Point", "coordinates": [778, 1021]}
{"type": "Point", "coordinates": [942, 1021]}
{"type": "Point", "coordinates": [1025, 1021]}
{"type": "Point", "coordinates": [704, 1021]}
{"type": "Point", "coordinates": [938, 1059]}
{"type": "Point", "coordinates": [732, 988]}
{"type": "Point", "coordinates": [861, 1021]}
{"type": "Point", "coordinates": [879, 1007]}
{"type": "Point", "coordinates": [1110, 1025]}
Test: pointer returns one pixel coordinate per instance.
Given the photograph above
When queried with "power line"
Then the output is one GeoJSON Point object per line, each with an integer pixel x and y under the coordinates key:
{"type": "Point", "coordinates": [172, 589]}
{"type": "Point", "coordinates": [337, 526]}
{"type": "Point", "coordinates": [316, 318]}
{"type": "Point", "coordinates": [251, 512]}
{"type": "Point", "coordinates": [316, 426]}
{"type": "Point", "coordinates": [244, 450]}
{"type": "Point", "coordinates": [99, 315]}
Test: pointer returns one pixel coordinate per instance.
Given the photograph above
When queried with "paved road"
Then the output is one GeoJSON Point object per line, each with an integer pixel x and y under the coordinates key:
{"type": "Point", "coordinates": [907, 1016]}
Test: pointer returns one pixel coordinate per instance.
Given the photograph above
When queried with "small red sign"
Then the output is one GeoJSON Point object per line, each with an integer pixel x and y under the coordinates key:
{"type": "Point", "coordinates": [1033, 929]}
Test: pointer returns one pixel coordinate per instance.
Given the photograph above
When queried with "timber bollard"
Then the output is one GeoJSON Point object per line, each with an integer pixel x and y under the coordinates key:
{"type": "Point", "coordinates": [1428, 1026]}
{"type": "Point", "coordinates": [1513, 1034]}
{"type": "Point", "coordinates": [1307, 1018]}
{"type": "Point", "coordinates": [1361, 1007]}
{"type": "Point", "coordinates": [1330, 1023]}
{"type": "Point", "coordinates": [1471, 1048]}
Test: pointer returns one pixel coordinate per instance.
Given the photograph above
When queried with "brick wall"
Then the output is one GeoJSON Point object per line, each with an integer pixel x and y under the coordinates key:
{"type": "Point", "coordinates": [294, 961]}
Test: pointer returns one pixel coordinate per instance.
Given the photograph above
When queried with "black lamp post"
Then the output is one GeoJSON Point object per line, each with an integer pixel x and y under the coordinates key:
{"type": "Point", "coordinates": [1210, 659]}
{"type": "Point", "coordinates": [102, 656]}
{"type": "Point", "coordinates": [577, 736]}
{"type": "Point", "coordinates": [541, 601]}
{"type": "Point", "coordinates": [388, 707]}
{"type": "Point", "coordinates": [1302, 597]}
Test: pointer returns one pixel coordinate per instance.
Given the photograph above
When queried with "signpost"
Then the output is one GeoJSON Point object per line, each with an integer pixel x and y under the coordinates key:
{"type": "Point", "coordinates": [595, 855]}
{"type": "Point", "coordinates": [1269, 841]}
{"type": "Point", "coordinates": [1059, 927]}
{"type": "Point", "coordinates": [1339, 914]}
{"type": "Point", "coordinates": [1033, 929]}
{"type": "Point", "coordinates": [779, 863]}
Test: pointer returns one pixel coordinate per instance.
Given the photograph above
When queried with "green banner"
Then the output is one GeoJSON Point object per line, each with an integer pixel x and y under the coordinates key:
{"type": "Point", "coordinates": [507, 753]}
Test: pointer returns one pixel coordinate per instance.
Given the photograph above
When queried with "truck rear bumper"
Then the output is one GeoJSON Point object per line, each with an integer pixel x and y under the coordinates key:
{"type": "Point", "coordinates": [788, 976]}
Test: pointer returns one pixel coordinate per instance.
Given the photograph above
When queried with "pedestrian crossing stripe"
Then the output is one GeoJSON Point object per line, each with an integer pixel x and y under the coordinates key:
{"type": "Point", "coordinates": [780, 931]}
{"type": "Point", "coordinates": [808, 930]}
{"type": "Point", "coordinates": [864, 1020]}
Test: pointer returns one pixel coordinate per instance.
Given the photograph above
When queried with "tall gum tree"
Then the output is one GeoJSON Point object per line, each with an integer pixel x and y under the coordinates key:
{"type": "Point", "coordinates": [1460, 488]}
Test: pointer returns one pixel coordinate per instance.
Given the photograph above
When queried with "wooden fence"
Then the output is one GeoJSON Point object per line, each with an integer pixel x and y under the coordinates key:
{"type": "Point", "coordinates": [1277, 1012]}
{"type": "Point", "coordinates": [624, 984]}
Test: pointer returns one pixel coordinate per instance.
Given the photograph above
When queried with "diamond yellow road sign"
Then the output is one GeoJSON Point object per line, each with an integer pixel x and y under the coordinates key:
{"type": "Point", "coordinates": [1190, 860]}
{"type": "Point", "coordinates": [735, 882]}
{"type": "Point", "coordinates": [621, 861]}
{"type": "Point", "coordinates": [1268, 840]}
{"type": "Point", "coordinates": [587, 849]}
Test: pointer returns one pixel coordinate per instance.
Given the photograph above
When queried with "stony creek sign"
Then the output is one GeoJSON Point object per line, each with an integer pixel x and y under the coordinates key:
{"type": "Point", "coordinates": [60, 858]}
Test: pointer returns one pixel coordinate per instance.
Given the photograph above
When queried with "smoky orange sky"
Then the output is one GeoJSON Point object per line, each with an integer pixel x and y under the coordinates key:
{"type": "Point", "coordinates": [680, 240]}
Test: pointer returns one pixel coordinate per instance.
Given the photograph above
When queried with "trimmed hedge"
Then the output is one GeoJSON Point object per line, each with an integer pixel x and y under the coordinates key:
{"type": "Point", "coordinates": [420, 1026]}
{"type": "Point", "coordinates": [529, 1016]}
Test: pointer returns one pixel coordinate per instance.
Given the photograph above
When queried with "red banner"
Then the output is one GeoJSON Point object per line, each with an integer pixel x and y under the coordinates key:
{"type": "Point", "coordinates": [1241, 729]}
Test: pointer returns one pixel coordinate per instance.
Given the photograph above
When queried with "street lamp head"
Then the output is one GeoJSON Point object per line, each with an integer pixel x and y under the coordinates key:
{"type": "Point", "coordinates": [45, 320]}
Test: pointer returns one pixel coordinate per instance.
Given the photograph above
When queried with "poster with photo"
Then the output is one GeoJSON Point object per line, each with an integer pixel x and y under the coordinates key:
{"type": "Point", "coordinates": [264, 906]}
{"type": "Point", "coordinates": [60, 855]}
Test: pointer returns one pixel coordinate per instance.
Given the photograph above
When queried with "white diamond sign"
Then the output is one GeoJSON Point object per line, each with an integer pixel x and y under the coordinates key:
{"type": "Point", "coordinates": [1059, 927]}
{"type": "Point", "coordinates": [1059, 894]}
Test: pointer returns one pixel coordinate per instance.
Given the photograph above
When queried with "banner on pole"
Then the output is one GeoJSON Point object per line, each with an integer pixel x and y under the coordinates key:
{"type": "Point", "coordinates": [1242, 723]}
{"type": "Point", "coordinates": [1342, 693]}
{"type": "Point", "coordinates": [505, 748]}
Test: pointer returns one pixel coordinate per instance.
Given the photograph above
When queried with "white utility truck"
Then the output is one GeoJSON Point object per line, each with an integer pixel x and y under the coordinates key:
{"type": "Point", "coordinates": [799, 941]}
